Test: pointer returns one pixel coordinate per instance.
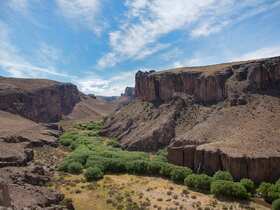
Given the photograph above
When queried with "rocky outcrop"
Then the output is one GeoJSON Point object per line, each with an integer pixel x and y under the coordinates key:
{"type": "Point", "coordinates": [201, 159]}
{"type": "Point", "coordinates": [142, 125]}
{"type": "Point", "coordinates": [38, 100]}
{"type": "Point", "coordinates": [228, 117]}
{"type": "Point", "coordinates": [208, 84]}
{"type": "Point", "coordinates": [5, 200]}
{"type": "Point", "coordinates": [129, 92]}
{"type": "Point", "coordinates": [24, 185]}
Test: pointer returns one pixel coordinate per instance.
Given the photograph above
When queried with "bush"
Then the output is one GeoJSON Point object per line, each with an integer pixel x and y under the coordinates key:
{"type": "Point", "coordinates": [223, 175]}
{"type": "Point", "coordinates": [198, 181]}
{"type": "Point", "coordinates": [74, 168]}
{"type": "Point", "coordinates": [166, 170]}
{"type": "Point", "coordinates": [68, 138]}
{"type": "Point", "coordinates": [248, 184]}
{"type": "Point", "coordinates": [161, 155]}
{"type": "Point", "coordinates": [276, 205]}
{"type": "Point", "coordinates": [93, 173]}
{"type": "Point", "coordinates": [114, 143]}
{"type": "Point", "coordinates": [115, 166]}
{"type": "Point", "coordinates": [179, 174]}
{"type": "Point", "coordinates": [269, 192]}
{"type": "Point", "coordinates": [137, 167]}
{"type": "Point", "coordinates": [154, 167]}
{"type": "Point", "coordinates": [229, 189]}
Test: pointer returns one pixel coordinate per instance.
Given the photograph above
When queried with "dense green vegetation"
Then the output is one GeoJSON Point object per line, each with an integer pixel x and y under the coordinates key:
{"type": "Point", "coordinates": [199, 181]}
{"type": "Point", "coordinates": [276, 205]}
{"type": "Point", "coordinates": [229, 189]}
{"type": "Point", "coordinates": [270, 192]}
{"type": "Point", "coordinates": [223, 175]}
{"type": "Point", "coordinates": [95, 156]}
{"type": "Point", "coordinates": [93, 173]}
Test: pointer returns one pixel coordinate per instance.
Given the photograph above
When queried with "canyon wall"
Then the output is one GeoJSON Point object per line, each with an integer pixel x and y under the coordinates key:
{"type": "Point", "coordinates": [208, 84]}
{"type": "Point", "coordinates": [228, 117]}
{"type": "Point", "coordinates": [201, 159]}
{"type": "Point", "coordinates": [38, 100]}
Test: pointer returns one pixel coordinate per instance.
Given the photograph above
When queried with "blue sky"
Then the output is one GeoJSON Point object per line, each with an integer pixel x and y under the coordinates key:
{"type": "Point", "coordinates": [100, 44]}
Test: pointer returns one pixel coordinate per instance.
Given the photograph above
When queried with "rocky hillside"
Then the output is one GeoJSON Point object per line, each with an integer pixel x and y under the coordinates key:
{"type": "Point", "coordinates": [218, 117]}
{"type": "Point", "coordinates": [27, 106]}
{"type": "Point", "coordinates": [37, 99]}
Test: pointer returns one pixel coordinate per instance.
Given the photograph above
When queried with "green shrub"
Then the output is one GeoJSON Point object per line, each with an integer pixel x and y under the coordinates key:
{"type": "Point", "coordinates": [80, 155]}
{"type": "Point", "coordinates": [68, 138]}
{"type": "Point", "coordinates": [276, 205]}
{"type": "Point", "coordinates": [198, 181]}
{"type": "Point", "coordinates": [161, 155]}
{"type": "Point", "coordinates": [74, 168]}
{"type": "Point", "coordinates": [229, 189]}
{"type": "Point", "coordinates": [115, 166]}
{"type": "Point", "coordinates": [93, 173]}
{"type": "Point", "coordinates": [248, 184]}
{"type": "Point", "coordinates": [114, 143]}
{"type": "Point", "coordinates": [269, 192]}
{"type": "Point", "coordinates": [223, 175]}
{"type": "Point", "coordinates": [179, 174]}
{"type": "Point", "coordinates": [137, 167]}
{"type": "Point", "coordinates": [166, 170]}
{"type": "Point", "coordinates": [154, 167]}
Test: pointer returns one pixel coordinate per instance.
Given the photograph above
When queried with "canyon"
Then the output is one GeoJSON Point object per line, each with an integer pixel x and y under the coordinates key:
{"type": "Point", "coordinates": [217, 117]}
{"type": "Point", "coordinates": [210, 118]}
{"type": "Point", "coordinates": [33, 114]}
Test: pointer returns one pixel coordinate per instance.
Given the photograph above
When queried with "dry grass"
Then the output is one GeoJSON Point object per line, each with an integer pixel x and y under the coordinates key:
{"type": "Point", "coordinates": [116, 191]}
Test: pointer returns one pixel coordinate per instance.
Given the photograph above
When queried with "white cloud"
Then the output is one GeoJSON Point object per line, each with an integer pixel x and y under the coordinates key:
{"type": "Point", "coordinates": [200, 59]}
{"type": "Point", "coordinates": [13, 62]}
{"type": "Point", "coordinates": [113, 86]}
{"type": "Point", "coordinates": [49, 55]}
{"type": "Point", "coordinates": [19, 5]}
{"type": "Point", "coordinates": [265, 52]}
{"type": "Point", "coordinates": [83, 12]}
{"type": "Point", "coordinates": [149, 20]}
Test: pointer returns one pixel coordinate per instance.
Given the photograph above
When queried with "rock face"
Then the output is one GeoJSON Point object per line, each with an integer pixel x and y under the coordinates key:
{"type": "Point", "coordinates": [218, 117]}
{"type": "Point", "coordinates": [207, 84]}
{"type": "Point", "coordinates": [5, 199]}
{"type": "Point", "coordinates": [129, 92]}
{"type": "Point", "coordinates": [38, 100]}
{"type": "Point", "coordinates": [22, 184]}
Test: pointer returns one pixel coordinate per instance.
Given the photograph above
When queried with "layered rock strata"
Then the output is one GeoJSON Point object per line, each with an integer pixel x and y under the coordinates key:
{"type": "Point", "coordinates": [228, 117]}
{"type": "Point", "coordinates": [38, 100]}
{"type": "Point", "coordinates": [208, 84]}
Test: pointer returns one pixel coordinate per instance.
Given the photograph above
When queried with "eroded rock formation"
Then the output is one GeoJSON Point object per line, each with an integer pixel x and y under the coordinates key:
{"type": "Point", "coordinates": [208, 84]}
{"type": "Point", "coordinates": [228, 118]}
{"type": "Point", "coordinates": [38, 100]}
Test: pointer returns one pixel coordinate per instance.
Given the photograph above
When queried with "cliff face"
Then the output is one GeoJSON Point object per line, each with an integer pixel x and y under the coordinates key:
{"type": "Point", "coordinates": [208, 84]}
{"type": "Point", "coordinates": [218, 117]}
{"type": "Point", "coordinates": [38, 100]}
{"type": "Point", "coordinates": [129, 92]}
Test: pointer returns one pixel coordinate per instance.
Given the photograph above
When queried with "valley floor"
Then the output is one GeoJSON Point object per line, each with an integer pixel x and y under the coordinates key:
{"type": "Point", "coordinates": [139, 192]}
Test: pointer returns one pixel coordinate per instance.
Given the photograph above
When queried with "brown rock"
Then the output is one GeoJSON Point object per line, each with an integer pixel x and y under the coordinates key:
{"type": "Point", "coordinates": [218, 117]}
{"type": "Point", "coordinates": [38, 100]}
{"type": "Point", "coordinates": [5, 199]}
